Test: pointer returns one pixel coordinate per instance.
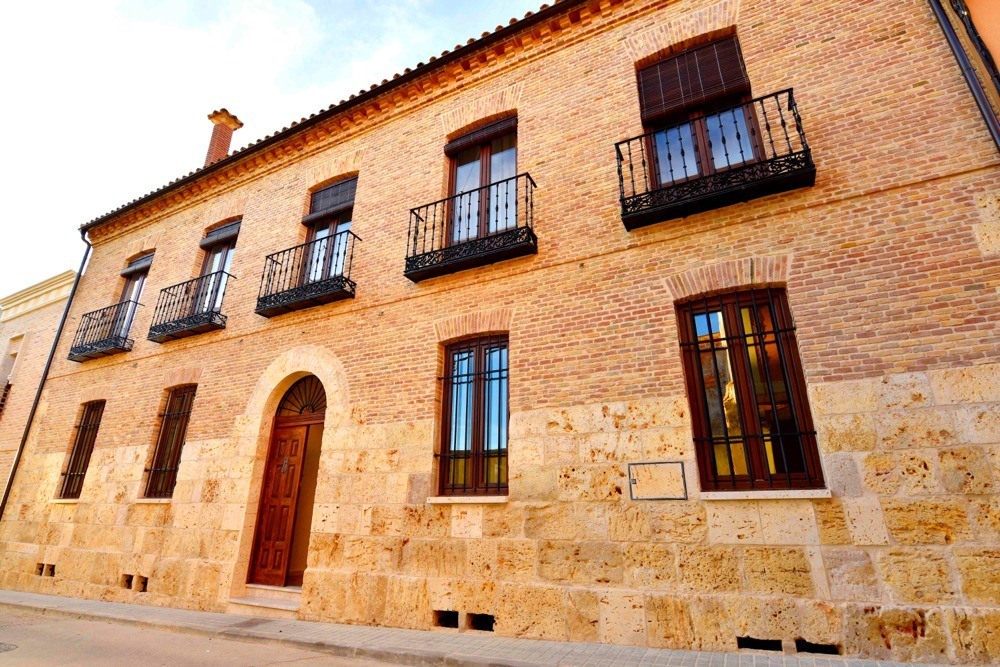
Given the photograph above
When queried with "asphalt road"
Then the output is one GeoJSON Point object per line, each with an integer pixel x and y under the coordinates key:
{"type": "Point", "coordinates": [47, 640]}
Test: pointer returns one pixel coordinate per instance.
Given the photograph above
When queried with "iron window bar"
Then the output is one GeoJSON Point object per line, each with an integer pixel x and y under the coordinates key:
{"type": "Point", "coordinates": [677, 171]}
{"type": "Point", "coordinates": [104, 332]}
{"type": "Point", "coordinates": [162, 472]}
{"type": "Point", "coordinates": [190, 308]}
{"type": "Point", "coordinates": [4, 395]}
{"type": "Point", "coordinates": [473, 456]}
{"type": "Point", "coordinates": [488, 224]}
{"type": "Point", "coordinates": [752, 427]}
{"type": "Point", "coordinates": [309, 274]}
{"type": "Point", "coordinates": [83, 449]}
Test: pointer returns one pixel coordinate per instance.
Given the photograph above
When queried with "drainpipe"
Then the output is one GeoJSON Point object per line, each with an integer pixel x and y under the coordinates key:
{"type": "Point", "coordinates": [968, 71]}
{"type": "Point", "coordinates": [45, 375]}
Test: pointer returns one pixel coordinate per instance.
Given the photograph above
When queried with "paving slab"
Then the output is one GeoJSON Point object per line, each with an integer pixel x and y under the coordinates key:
{"type": "Point", "coordinates": [412, 647]}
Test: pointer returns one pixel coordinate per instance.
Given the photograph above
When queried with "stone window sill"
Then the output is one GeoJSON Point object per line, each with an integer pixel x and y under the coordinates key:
{"type": "Point", "coordinates": [153, 501]}
{"type": "Point", "coordinates": [466, 500]}
{"type": "Point", "coordinates": [788, 494]}
{"type": "Point", "coordinates": [64, 501]}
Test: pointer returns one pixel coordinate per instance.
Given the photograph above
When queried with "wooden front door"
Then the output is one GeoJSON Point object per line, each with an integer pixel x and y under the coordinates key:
{"type": "Point", "coordinates": [276, 517]}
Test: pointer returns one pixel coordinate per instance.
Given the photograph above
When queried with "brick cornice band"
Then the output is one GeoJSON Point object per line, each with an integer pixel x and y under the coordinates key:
{"type": "Point", "coordinates": [733, 274]}
{"type": "Point", "coordinates": [471, 324]}
{"type": "Point", "coordinates": [653, 43]}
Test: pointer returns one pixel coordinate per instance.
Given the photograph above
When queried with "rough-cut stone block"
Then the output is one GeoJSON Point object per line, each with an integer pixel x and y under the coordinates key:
{"type": "Point", "coordinates": [467, 521]}
{"type": "Point", "coordinates": [583, 616]}
{"type": "Point", "coordinates": [887, 633]}
{"type": "Point", "coordinates": [846, 433]}
{"type": "Point", "coordinates": [788, 522]}
{"type": "Point", "coordinates": [734, 522]}
{"type": "Point", "coordinates": [551, 522]}
{"type": "Point", "coordinates": [534, 612]}
{"type": "Point", "coordinates": [580, 562]}
{"type": "Point", "coordinates": [842, 476]}
{"type": "Point", "coordinates": [681, 522]}
{"type": "Point", "coordinates": [777, 571]}
{"type": "Point", "coordinates": [516, 560]}
{"type": "Point", "coordinates": [849, 397]}
{"type": "Point", "coordinates": [831, 521]}
{"type": "Point", "coordinates": [881, 473]}
{"type": "Point", "coordinates": [851, 575]}
{"type": "Point", "coordinates": [913, 429]}
{"type": "Point", "coordinates": [980, 424]}
{"type": "Point", "coordinates": [903, 391]}
{"type": "Point", "coordinates": [630, 523]}
{"type": "Point", "coordinates": [971, 384]}
{"type": "Point", "coordinates": [865, 521]}
{"type": "Point", "coordinates": [914, 522]}
{"type": "Point", "coordinates": [763, 618]}
{"type": "Point", "coordinates": [649, 566]}
{"type": "Point", "coordinates": [699, 623]}
{"type": "Point", "coordinates": [623, 618]}
{"type": "Point", "coordinates": [974, 636]}
{"type": "Point", "coordinates": [966, 470]}
{"type": "Point", "coordinates": [714, 569]}
{"type": "Point", "coordinates": [980, 572]}
{"type": "Point", "coordinates": [919, 576]}
{"type": "Point", "coordinates": [407, 604]}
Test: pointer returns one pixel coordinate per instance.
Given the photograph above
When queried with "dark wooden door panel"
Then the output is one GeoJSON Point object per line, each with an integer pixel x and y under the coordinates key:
{"type": "Point", "coordinates": [276, 517]}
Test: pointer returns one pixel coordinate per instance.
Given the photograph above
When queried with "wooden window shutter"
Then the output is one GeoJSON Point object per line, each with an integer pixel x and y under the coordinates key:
{"type": "Point", "coordinates": [692, 79]}
{"type": "Point", "coordinates": [481, 135]}
{"type": "Point", "coordinates": [332, 200]}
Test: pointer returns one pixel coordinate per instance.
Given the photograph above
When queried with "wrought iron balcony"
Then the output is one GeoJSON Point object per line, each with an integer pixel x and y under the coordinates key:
{"type": "Point", "coordinates": [104, 332]}
{"type": "Point", "coordinates": [308, 275]}
{"type": "Point", "coordinates": [744, 152]}
{"type": "Point", "coordinates": [190, 308]}
{"type": "Point", "coordinates": [473, 228]}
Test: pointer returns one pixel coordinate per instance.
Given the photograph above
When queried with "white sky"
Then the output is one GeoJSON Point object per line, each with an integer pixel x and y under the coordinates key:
{"type": "Point", "coordinates": [107, 100]}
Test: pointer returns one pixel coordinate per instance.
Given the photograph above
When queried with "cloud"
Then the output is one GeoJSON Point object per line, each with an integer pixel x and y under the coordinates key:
{"type": "Point", "coordinates": [106, 100]}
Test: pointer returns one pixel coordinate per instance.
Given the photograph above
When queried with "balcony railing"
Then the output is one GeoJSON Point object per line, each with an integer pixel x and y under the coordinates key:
{"type": "Point", "coordinates": [4, 395]}
{"type": "Point", "coordinates": [481, 226]}
{"type": "Point", "coordinates": [744, 152]}
{"type": "Point", "coordinates": [308, 275]}
{"type": "Point", "coordinates": [104, 332]}
{"type": "Point", "coordinates": [190, 308]}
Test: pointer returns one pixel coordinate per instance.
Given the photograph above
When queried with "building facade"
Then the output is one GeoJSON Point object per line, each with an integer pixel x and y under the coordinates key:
{"type": "Point", "coordinates": [28, 322]}
{"type": "Point", "coordinates": [643, 322]}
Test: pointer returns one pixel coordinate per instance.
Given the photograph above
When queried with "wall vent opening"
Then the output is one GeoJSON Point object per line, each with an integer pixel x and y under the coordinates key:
{"type": "Point", "coordinates": [141, 583]}
{"type": "Point", "coordinates": [759, 644]}
{"type": "Point", "coordinates": [484, 622]}
{"type": "Point", "coordinates": [50, 570]}
{"type": "Point", "coordinates": [39, 568]}
{"type": "Point", "coordinates": [802, 646]}
{"type": "Point", "coordinates": [126, 581]}
{"type": "Point", "coordinates": [445, 619]}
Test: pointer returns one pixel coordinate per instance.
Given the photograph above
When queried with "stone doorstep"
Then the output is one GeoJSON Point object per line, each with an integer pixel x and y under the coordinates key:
{"type": "Point", "coordinates": [400, 649]}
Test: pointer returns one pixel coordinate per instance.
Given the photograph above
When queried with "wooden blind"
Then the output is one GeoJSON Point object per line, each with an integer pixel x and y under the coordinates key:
{"type": "Point", "coordinates": [481, 135]}
{"type": "Point", "coordinates": [138, 265]}
{"type": "Point", "coordinates": [692, 79]}
{"type": "Point", "coordinates": [332, 200]}
{"type": "Point", "coordinates": [223, 234]}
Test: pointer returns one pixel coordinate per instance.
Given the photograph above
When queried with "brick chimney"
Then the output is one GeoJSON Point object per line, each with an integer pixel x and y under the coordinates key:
{"type": "Point", "coordinates": [225, 124]}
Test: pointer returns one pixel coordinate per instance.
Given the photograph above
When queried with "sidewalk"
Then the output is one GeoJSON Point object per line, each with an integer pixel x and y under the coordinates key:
{"type": "Point", "coordinates": [410, 647]}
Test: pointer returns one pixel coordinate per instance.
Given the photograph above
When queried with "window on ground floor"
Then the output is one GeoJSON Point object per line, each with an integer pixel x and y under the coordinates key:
{"type": "Point", "coordinates": [475, 417]}
{"type": "Point", "coordinates": [750, 414]}
{"type": "Point", "coordinates": [83, 448]}
{"type": "Point", "coordinates": [173, 431]}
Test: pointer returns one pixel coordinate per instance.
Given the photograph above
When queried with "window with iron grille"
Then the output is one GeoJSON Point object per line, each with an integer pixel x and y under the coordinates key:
{"type": "Point", "coordinates": [752, 426]}
{"type": "Point", "coordinates": [475, 417]}
{"type": "Point", "coordinates": [83, 447]}
{"type": "Point", "coordinates": [173, 430]}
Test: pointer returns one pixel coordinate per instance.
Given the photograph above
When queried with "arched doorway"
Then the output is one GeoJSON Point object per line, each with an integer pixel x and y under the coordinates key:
{"type": "Point", "coordinates": [284, 517]}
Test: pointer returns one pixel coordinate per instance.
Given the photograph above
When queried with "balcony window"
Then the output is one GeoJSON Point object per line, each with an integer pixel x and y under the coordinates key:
{"type": "Point", "coordinates": [106, 331]}
{"type": "Point", "coordinates": [488, 215]}
{"type": "Point", "coordinates": [708, 143]}
{"type": "Point", "coordinates": [318, 271]}
{"type": "Point", "coordinates": [195, 306]}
